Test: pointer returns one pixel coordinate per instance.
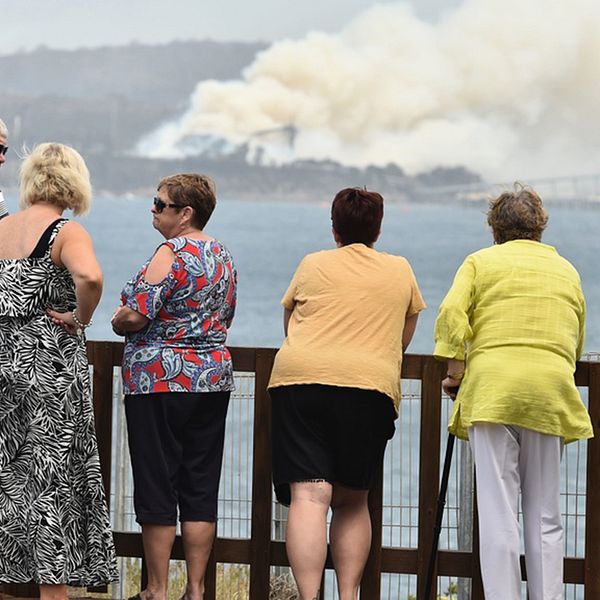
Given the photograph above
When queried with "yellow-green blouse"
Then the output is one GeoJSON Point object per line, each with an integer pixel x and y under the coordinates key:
{"type": "Point", "coordinates": [516, 314]}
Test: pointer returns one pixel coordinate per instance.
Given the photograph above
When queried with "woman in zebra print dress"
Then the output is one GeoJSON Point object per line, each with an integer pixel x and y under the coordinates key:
{"type": "Point", "coordinates": [54, 524]}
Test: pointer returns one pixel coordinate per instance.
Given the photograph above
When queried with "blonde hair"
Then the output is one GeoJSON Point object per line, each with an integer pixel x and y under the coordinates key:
{"type": "Point", "coordinates": [3, 129]}
{"type": "Point", "coordinates": [57, 174]}
{"type": "Point", "coordinates": [517, 215]}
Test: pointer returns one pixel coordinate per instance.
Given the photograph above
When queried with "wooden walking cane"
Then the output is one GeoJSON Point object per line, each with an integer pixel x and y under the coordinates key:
{"type": "Point", "coordinates": [438, 517]}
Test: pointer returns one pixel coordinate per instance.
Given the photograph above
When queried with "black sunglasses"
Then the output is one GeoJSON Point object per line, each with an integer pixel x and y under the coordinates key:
{"type": "Point", "coordinates": [3, 149]}
{"type": "Point", "coordinates": [159, 205]}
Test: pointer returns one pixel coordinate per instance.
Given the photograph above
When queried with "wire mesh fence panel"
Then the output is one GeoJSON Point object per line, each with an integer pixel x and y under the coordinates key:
{"type": "Point", "coordinates": [574, 591]}
{"type": "Point", "coordinates": [233, 582]}
{"type": "Point", "coordinates": [401, 473]}
{"type": "Point", "coordinates": [573, 493]}
{"type": "Point", "coordinates": [398, 587]}
{"type": "Point", "coordinates": [235, 491]}
{"type": "Point", "coordinates": [282, 586]}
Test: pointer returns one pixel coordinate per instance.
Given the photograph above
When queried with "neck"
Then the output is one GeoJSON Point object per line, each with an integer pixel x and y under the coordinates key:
{"type": "Point", "coordinates": [189, 232]}
{"type": "Point", "coordinates": [46, 207]}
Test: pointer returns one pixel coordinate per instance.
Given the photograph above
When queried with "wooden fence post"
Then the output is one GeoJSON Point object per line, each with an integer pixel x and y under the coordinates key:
{"type": "Point", "coordinates": [260, 541]}
{"type": "Point", "coordinates": [592, 504]}
{"type": "Point", "coordinates": [370, 586]}
{"type": "Point", "coordinates": [429, 466]}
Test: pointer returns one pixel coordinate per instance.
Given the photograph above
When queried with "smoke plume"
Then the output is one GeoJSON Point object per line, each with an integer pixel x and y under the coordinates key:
{"type": "Point", "coordinates": [508, 88]}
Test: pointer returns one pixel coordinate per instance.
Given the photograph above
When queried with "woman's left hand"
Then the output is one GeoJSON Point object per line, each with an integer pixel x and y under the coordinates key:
{"type": "Point", "coordinates": [64, 320]}
{"type": "Point", "coordinates": [450, 387]}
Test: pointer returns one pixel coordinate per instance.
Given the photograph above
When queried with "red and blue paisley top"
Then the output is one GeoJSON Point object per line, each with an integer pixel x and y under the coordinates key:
{"type": "Point", "coordinates": [182, 349]}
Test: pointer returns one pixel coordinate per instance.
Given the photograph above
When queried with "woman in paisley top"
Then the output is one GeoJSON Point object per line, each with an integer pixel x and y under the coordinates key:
{"type": "Point", "coordinates": [54, 524]}
{"type": "Point", "coordinates": [177, 377]}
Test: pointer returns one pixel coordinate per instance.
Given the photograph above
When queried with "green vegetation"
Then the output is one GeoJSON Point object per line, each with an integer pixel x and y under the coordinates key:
{"type": "Point", "coordinates": [450, 594]}
{"type": "Point", "coordinates": [233, 583]}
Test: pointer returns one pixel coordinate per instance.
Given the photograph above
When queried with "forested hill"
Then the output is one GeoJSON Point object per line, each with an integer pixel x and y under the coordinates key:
{"type": "Point", "coordinates": [103, 100]}
{"type": "Point", "coordinates": [160, 74]}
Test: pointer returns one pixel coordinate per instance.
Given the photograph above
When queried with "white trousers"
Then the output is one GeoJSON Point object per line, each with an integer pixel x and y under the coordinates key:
{"type": "Point", "coordinates": [509, 459]}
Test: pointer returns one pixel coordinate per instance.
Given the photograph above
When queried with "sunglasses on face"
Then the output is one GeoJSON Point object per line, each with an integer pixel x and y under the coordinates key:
{"type": "Point", "coordinates": [3, 149]}
{"type": "Point", "coordinates": [159, 205]}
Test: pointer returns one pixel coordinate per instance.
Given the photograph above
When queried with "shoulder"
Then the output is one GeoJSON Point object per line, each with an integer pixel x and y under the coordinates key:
{"type": "Point", "coordinates": [333, 258]}
{"type": "Point", "coordinates": [568, 267]}
{"type": "Point", "coordinates": [175, 244]}
{"type": "Point", "coordinates": [67, 231]}
{"type": "Point", "coordinates": [484, 258]}
{"type": "Point", "coordinates": [394, 260]}
{"type": "Point", "coordinates": [314, 258]}
{"type": "Point", "coordinates": [165, 250]}
{"type": "Point", "coordinates": [486, 253]}
{"type": "Point", "coordinates": [218, 248]}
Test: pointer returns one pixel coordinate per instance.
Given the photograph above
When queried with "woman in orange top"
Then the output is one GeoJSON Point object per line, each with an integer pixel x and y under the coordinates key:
{"type": "Point", "coordinates": [349, 314]}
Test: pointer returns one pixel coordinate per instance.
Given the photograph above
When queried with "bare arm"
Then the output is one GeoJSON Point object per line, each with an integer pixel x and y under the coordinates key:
{"type": "Point", "coordinates": [410, 324]}
{"type": "Point", "coordinates": [125, 318]}
{"type": "Point", "coordinates": [74, 250]}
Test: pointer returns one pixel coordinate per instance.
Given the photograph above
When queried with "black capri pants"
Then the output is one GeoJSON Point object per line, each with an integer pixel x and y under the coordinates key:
{"type": "Point", "coordinates": [176, 446]}
{"type": "Point", "coordinates": [325, 432]}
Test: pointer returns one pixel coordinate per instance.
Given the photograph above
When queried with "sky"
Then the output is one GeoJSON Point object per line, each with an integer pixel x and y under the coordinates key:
{"type": "Point", "coordinates": [26, 24]}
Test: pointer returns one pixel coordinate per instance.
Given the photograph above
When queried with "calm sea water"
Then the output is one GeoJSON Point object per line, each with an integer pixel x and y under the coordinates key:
{"type": "Point", "coordinates": [268, 239]}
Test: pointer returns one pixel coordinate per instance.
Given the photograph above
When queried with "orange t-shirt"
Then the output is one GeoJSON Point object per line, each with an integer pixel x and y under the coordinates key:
{"type": "Point", "coordinates": [348, 308]}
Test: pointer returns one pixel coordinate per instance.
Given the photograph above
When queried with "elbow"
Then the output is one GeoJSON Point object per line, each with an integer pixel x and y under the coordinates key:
{"type": "Point", "coordinates": [133, 322]}
{"type": "Point", "coordinates": [92, 280]}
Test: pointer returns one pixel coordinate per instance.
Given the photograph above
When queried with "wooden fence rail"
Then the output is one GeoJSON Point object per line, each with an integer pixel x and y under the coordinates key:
{"type": "Point", "coordinates": [260, 552]}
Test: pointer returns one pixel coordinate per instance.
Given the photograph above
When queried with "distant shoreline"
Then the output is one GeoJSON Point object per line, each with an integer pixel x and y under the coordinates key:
{"type": "Point", "coordinates": [423, 198]}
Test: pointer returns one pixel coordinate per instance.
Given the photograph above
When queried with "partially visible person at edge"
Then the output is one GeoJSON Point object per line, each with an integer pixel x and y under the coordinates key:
{"type": "Point", "coordinates": [349, 313]}
{"type": "Point", "coordinates": [3, 151]}
{"type": "Point", "coordinates": [512, 328]}
{"type": "Point", "coordinates": [177, 378]}
{"type": "Point", "coordinates": [54, 523]}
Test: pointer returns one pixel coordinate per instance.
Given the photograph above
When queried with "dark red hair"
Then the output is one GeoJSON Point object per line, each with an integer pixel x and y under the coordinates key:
{"type": "Point", "coordinates": [356, 215]}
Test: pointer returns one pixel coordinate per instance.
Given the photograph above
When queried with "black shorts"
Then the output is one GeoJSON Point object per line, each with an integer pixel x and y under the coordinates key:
{"type": "Point", "coordinates": [338, 434]}
{"type": "Point", "coordinates": [176, 447]}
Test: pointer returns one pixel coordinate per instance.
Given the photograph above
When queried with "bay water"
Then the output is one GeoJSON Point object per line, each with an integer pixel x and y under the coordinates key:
{"type": "Point", "coordinates": [268, 240]}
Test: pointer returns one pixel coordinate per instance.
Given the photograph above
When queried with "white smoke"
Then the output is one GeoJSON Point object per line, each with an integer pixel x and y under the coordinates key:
{"type": "Point", "coordinates": [508, 88]}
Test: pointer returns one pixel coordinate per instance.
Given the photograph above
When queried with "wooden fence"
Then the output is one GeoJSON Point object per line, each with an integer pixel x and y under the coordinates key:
{"type": "Point", "coordinates": [260, 552]}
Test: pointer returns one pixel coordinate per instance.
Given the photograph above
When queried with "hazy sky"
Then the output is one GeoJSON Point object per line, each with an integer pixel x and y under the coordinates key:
{"type": "Point", "coordinates": [25, 24]}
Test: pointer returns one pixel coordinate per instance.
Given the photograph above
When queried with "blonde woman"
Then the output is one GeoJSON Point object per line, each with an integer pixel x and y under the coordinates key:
{"type": "Point", "coordinates": [54, 524]}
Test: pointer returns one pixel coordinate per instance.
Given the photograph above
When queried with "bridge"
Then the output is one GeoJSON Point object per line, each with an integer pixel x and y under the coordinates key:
{"type": "Point", "coordinates": [573, 190]}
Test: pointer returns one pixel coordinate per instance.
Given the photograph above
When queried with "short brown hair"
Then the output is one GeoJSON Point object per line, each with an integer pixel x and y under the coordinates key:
{"type": "Point", "coordinates": [517, 215]}
{"type": "Point", "coordinates": [356, 215]}
{"type": "Point", "coordinates": [193, 190]}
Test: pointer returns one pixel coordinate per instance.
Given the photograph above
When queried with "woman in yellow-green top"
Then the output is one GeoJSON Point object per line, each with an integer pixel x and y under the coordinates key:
{"type": "Point", "coordinates": [349, 313]}
{"type": "Point", "coordinates": [512, 328]}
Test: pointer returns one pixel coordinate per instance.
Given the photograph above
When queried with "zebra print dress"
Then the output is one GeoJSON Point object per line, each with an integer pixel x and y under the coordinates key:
{"type": "Point", "coordinates": [54, 524]}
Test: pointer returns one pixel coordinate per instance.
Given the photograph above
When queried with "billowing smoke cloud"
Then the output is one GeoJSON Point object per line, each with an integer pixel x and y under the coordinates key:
{"type": "Point", "coordinates": [508, 88]}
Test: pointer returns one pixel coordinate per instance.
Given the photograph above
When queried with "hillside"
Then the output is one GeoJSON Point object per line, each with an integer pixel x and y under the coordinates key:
{"type": "Point", "coordinates": [103, 100]}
